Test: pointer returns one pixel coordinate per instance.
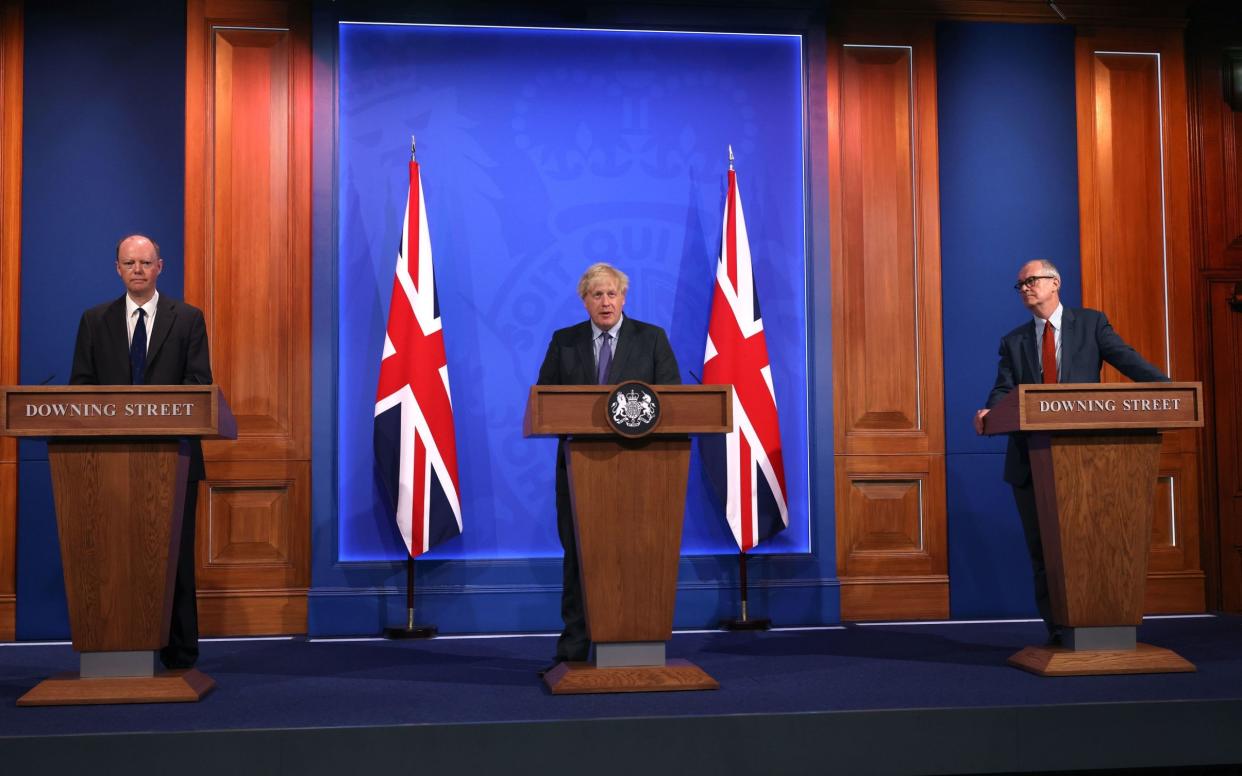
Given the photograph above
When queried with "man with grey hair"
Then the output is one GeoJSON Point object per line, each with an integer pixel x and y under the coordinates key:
{"type": "Point", "coordinates": [607, 348]}
{"type": "Point", "coordinates": [1058, 345]}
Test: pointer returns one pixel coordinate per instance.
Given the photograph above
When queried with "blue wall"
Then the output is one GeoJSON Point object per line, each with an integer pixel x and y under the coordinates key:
{"type": "Point", "coordinates": [103, 155]}
{"type": "Point", "coordinates": [1008, 193]}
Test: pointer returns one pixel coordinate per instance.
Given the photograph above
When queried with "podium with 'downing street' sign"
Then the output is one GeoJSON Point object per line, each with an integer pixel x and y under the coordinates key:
{"type": "Point", "coordinates": [119, 459]}
{"type": "Point", "coordinates": [1095, 455]}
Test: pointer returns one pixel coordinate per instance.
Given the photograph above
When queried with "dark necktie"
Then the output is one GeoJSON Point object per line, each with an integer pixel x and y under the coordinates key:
{"type": "Point", "coordinates": [1049, 354]}
{"type": "Point", "coordinates": [605, 357]}
{"type": "Point", "coordinates": [138, 349]}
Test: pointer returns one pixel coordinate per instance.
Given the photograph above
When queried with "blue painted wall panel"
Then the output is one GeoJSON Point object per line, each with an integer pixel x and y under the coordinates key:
{"type": "Point", "coordinates": [1008, 193]}
{"type": "Point", "coordinates": [103, 155]}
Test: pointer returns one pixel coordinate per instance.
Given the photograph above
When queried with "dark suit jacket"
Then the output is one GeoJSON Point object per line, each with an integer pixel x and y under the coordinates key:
{"type": "Point", "coordinates": [642, 353]}
{"type": "Point", "coordinates": [1087, 341]}
{"type": "Point", "coordinates": [177, 352]}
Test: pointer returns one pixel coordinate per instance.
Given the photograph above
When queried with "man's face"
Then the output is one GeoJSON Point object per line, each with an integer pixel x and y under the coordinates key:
{"type": "Point", "coordinates": [138, 267]}
{"type": "Point", "coordinates": [1042, 294]}
{"type": "Point", "coordinates": [604, 302]}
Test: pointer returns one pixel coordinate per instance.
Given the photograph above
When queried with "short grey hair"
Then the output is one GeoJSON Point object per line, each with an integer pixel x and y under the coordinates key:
{"type": "Point", "coordinates": [600, 270]}
{"type": "Point", "coordinates": [1049, 267]}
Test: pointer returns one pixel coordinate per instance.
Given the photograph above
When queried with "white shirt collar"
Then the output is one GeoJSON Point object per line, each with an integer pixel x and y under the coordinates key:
{"type": "Point", "coordinates": [131, 306]}
{"type": "Point", "coordinates": [1055, 318]}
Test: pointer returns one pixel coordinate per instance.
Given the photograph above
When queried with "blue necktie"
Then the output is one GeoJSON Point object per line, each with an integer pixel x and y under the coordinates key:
{"type": "Point", "coordinates": [138, 349]}
{"type": "Point", "coordinates": [605, 357]}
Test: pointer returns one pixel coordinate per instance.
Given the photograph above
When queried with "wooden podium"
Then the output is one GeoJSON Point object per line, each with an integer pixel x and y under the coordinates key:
{"type": "Point", "coordinates": [1095, 455]}
{"type": "Point", "coordinates": [629, 500]}
{"type": "Point", "coordinates": [119, 460]}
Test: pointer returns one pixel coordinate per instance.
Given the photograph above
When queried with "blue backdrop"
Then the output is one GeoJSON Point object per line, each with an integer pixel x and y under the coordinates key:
{"type": "Point", "coordinates": [543, 151]}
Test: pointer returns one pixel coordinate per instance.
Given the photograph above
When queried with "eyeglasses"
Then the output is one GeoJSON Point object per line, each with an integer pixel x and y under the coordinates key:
{"type": "Point", "coordinates": [1028, 282]}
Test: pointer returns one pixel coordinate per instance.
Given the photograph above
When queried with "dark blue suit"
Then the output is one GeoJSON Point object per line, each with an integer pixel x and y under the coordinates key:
{"type": "Point", "coordinates": [1087, 341]}
{"type": "Point", "coordinates": [642, 353]}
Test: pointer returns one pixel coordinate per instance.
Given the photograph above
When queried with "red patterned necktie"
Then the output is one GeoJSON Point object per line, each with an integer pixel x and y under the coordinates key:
{"type": "Point", "coordinates": [1049, 357]}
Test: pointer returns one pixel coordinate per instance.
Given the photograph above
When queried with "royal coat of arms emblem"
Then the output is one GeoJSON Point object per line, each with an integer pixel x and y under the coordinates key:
{"type": "Point", "coordinates": [633, 409]}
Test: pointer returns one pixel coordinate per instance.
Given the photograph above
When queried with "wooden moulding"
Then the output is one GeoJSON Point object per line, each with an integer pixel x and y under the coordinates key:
{"type": "Point", "coordinates": [1060, 661]}
{"type": "Point", "coordinates": [581, 678]}
{"type": "Point", "coordinates": [889, 598]}
{"type": "Point", "coordinates": [179, 686]}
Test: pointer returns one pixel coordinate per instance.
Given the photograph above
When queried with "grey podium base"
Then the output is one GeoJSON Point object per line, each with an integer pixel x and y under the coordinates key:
{"type": "Point", "coordinates": [101, 665]}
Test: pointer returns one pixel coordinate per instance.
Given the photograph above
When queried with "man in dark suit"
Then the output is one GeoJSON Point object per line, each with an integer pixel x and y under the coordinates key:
{"type": "Point", "coordinates": [1058, 345]}
{"type": "Point", "coordinates": [606, 349]}
{"type": "Point", "coordinates": [145, 338]}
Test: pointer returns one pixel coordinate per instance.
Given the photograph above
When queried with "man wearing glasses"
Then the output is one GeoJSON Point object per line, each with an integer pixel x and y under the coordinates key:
{"type": "Point", "coordinates": [1058, 345]}
{"type": "Point", "coordinates": [146, 338]}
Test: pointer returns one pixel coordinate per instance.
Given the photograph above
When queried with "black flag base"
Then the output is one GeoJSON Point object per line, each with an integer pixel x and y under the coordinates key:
{"type": "Point", "coordinates": [410, 632]}
{"type": "Point", "coordinates": [745, 623]}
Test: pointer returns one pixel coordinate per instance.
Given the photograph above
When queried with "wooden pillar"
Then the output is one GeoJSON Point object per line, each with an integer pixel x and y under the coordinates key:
{"type": "Point", "coordinates": [11, 53]}
{"type": "Point", "coordinates": [886, 318]}
{"type": "Point", "coordinates": [1215, 62]}
{"type": "Point", "coordinates": [1137, 266]}
{"type": "Point", "coordinates": [248, 265]}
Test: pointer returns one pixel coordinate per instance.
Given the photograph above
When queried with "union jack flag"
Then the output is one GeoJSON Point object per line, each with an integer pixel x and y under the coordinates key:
{"type": "Point", "coordinates": [415, 446]}
{"type": "Point", "coordinates": [745, 465]}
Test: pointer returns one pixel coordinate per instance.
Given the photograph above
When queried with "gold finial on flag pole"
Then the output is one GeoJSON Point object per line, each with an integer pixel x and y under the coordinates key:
{"type": "Point", "coordinates": [730, 156]}
{"type": "Point", "coordinates": [412, 159]}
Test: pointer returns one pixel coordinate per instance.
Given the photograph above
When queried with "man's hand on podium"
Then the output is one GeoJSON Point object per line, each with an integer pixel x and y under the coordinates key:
{"type": "Point", "coordinates": [979, 416]}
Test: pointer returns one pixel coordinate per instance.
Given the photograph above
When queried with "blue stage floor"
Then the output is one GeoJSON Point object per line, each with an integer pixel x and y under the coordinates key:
{"type": "Point", "coordinates": [950, 674]}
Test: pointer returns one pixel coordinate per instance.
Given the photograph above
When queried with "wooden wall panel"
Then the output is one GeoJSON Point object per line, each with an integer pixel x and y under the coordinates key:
{"type": "Point", "coordinates": [1216, 46]}
{"type": "Point", "coordinates": [1134, 194]}
{"type": "Point", "coordinates": [1227, 384]}
{"type": "Point", "coordinates": [1220, 150]}
{"type": "Point", "coordinates": [888, 372]}
{"type": "Point", "coordinates": [11, 51]}
{"type": "Point", "coordinates": [248, 265]}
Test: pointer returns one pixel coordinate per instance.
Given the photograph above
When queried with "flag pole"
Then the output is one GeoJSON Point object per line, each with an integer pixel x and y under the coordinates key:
{"type": "Point", "coordinates": [409, 630]}
{"type": "Point", "coordinates": [745, 622]}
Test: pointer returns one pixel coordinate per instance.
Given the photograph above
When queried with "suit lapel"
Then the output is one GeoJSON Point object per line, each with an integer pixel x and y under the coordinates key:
{"type": "Point", "coordinates": [586, 355]}
{"type": "Point", "coordinates": [1030, 347]}
{"type": "Point", "coordinates": [164, 318]}
{"type": "Point", "coordinates": [117, 333]}
{"type": "Point", "coordinates": [1069, 345]}
{"type": "Point", "coordinates": [622, 352]}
